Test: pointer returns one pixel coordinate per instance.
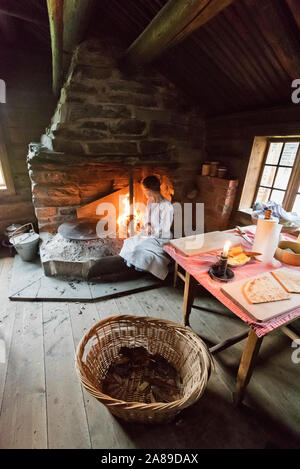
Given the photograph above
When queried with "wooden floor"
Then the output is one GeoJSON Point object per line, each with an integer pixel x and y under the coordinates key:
{"type": "Point", "coordinates": [44, 406]}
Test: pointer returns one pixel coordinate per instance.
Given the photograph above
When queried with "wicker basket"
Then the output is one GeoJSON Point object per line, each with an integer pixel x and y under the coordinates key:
{"type": "Point", "coordinates": [177, 344]}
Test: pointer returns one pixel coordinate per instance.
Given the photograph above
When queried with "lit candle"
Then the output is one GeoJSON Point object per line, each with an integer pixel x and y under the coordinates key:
{"type": "Point", "coordinates": [224, 259]}
{"type": "Point", "coordinates": [219, 271]}
{"type": "Point", "coordinates": [226, 249]}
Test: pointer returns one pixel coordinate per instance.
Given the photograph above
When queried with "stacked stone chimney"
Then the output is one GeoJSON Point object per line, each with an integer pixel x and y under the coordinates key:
{"type": "Point", "coordinates": [106, 124]}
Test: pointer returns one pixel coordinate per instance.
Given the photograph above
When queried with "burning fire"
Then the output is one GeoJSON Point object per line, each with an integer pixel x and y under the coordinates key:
{"type": "Point", "coordinates": [124, 217]}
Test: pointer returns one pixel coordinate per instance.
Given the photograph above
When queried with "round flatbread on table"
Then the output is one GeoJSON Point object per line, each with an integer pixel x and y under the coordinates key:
{"type": "Point", "coordinates": [264, 289]}
{"type": "Point", "coordinates": [289, 279]}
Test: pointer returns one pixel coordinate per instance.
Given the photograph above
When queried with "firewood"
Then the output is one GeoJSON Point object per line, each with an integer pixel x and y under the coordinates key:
{"type": "Point", "coordinates": [151, 375]}
{"type": "Point", "coordinates": [162, 366]}
{"type": "Point", "coordinates": [121, 360]}
{"type": "Point", "coordinates": [117, 378]}
{"type": "Point", "coordinates": [161, 382]}
{"type": "Point", "coordinates": [142, 386]}
{"type": "Point", "coordinates": [152, 398]}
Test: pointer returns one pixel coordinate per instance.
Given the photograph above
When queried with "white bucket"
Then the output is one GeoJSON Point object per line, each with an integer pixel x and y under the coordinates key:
{"type": "Point", "coordinates": [26, 245]}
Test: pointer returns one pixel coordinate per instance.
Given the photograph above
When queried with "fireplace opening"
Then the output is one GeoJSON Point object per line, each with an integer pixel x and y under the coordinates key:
{"type": "Point", "coordinates": [98, 229]}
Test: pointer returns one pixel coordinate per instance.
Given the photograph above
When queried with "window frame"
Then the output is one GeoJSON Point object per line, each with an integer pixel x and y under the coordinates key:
{"type": "Point", "coordinates": [10, 188]}
{"type": "Point", "coordinates": [292, 188]}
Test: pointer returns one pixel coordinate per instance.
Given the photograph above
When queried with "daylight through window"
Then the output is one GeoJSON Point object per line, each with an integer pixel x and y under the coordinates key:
{"type": "Point", "coordinates": [280, 175]}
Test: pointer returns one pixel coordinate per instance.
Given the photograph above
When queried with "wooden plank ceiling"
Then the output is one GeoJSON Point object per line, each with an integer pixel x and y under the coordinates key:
{"type": "Point", "coordinates": [244, 58]}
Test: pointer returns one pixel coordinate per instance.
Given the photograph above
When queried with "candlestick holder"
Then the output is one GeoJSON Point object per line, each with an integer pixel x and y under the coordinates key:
{"type": "Point", "coordinates": [220, 272]}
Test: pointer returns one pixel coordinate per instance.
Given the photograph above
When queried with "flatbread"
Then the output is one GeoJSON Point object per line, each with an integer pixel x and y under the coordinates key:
{"type": "Point", "coordinates": [289, 279]}
{"type": "Point", "coordinates": [235, 251]}
{"type": "Point", "coordinates": [264, 289]}
{"type": "Point", "coordinates": [238, 259]}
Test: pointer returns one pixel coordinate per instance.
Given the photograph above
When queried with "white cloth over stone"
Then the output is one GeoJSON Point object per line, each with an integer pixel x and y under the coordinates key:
{"type": "Point", "coordinates": [145, 250]}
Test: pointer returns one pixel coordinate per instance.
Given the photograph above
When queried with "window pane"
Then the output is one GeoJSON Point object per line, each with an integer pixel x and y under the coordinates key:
{"type": "Point", "coordinates": [263, 195]}
{"type": "Point", "coordinates": [274, 153]}
{"type": "Point", "coordinates": [268, 176]}
{"type": "Point", "coordinates": [2, 181]}
{"type": "Point", "coordinates": [289, 154]}
{"type": "Point", "coordinates": [296, 207]}
{"type": "Point", "coordinates": [282, 178]}
{"type": "Point", "coordinates": [277, 196]}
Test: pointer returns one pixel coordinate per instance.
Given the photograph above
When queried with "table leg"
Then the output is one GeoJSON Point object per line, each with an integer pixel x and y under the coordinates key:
{"type": "Point", "coordinates": [188, 297]}
{"type": "Point", "coordinates": [175, 274]}
{"type": "Point", "coordinates": [247, 364]}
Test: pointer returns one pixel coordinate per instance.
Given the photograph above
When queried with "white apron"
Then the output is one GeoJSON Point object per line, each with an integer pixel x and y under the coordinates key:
{"type": "Point", "coordinates": [145, 250]}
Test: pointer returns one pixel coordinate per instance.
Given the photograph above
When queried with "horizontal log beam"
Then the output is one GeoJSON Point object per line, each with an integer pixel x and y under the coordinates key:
{"type": "Point", "coordinates": [174, 22]}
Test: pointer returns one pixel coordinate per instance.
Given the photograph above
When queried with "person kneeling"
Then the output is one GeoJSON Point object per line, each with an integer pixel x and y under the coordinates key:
{"type": "Point", "coordinates": [143, 252]}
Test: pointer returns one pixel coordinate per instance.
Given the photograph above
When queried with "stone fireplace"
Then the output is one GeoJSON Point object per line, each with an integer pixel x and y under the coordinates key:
{"type": "Point", "coordinates": [110, 129]}
{"type": "Point", "coordinates": [107, 125]}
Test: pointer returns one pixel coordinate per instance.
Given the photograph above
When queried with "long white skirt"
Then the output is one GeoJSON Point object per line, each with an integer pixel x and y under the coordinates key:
{"type": "Point", "coordinates": [147, 253]}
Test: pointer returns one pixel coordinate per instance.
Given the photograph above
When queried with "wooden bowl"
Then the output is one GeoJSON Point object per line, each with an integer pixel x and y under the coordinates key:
{"type": "Point", "coordinates": [288, 257]}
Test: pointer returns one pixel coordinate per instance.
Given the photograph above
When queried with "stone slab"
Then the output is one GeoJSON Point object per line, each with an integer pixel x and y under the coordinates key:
{"type": "Point", "coordinates": [111, 289]}
{"type": "Point", "coordinates": [29, 283]}
{"type": "Point", "coordinates": [24, 274]}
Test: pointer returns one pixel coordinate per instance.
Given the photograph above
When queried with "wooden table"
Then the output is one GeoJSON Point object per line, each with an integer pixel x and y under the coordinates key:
{"type": "Point", "coordinates": [195, 271]}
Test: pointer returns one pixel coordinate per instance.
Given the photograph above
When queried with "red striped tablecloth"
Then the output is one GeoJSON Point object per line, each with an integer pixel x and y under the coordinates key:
{"type": "Point", "coordinates": [198, 267]}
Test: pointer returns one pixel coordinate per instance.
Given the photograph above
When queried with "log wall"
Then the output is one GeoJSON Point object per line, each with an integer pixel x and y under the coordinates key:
{"type": "Point", "coordinates": [28, 107]}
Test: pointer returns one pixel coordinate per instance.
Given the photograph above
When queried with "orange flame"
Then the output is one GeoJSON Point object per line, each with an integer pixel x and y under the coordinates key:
{"type": "Point", "coordinates": [124, 217]}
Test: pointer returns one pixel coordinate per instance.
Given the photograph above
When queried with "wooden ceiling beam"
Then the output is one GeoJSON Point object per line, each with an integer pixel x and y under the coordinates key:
{"type": "Point", "coordinates": [76, 18]}
{"type": "Point", "coordinates": [68, 21]}
{"type": "Point", "coordinates": [173, 23]}
{"type": "Point", "coordinates": [56, 13]}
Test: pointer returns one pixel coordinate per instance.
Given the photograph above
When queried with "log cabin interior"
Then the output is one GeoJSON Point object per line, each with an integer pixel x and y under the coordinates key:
{"type": "Point", "coordinates": [175, 348]}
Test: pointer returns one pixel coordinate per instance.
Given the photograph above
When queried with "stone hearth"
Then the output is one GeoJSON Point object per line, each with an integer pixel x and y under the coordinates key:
{"type": "Point", "coordinates": [61, 257]}
{"type": "Point", "coordinates": [107, 124]}
{"type": "Point", "coordinates": [29, 283]}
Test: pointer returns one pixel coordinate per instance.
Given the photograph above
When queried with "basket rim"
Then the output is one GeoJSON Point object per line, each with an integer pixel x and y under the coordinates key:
{"type": "Point", "coordinates": [182, 403]}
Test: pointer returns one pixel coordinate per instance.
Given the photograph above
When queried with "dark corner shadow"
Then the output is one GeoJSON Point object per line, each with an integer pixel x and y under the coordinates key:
{"type": "Point", "coordinates": [227, 313]}
{"type": "Point", "coordinates": [6, 252]}
{"type": "Point", "coordinates": [231, 368]}
{"type": "Point", "coordinates": [213, 423]}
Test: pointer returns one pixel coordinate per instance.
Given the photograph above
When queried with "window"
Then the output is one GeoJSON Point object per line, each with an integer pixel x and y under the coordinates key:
{"type": "Point", "coordinates": [280, 174]}
{"type": "Point", "coordinates": [2, 180]}
{"type": "Point", "coordinates": [6, 181]}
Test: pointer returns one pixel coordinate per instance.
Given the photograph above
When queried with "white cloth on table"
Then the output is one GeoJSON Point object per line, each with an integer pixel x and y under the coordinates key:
{"type": "Point", "coordinates": [145, 250]}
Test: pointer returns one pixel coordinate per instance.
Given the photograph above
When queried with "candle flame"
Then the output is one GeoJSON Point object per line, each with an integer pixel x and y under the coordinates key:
{"type": "Point", "coordinates": [226, 248]}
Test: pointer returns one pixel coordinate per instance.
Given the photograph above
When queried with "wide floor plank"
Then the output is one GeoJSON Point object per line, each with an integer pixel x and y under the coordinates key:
{"type": "Point", "coordinates": [7, 317]}
{"type": "Point", "coordinates": [105, 431]}
{"type": "Point", "coordinates": [23, 416]}
{"type": "Point", "coordinates": [67, 421]}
